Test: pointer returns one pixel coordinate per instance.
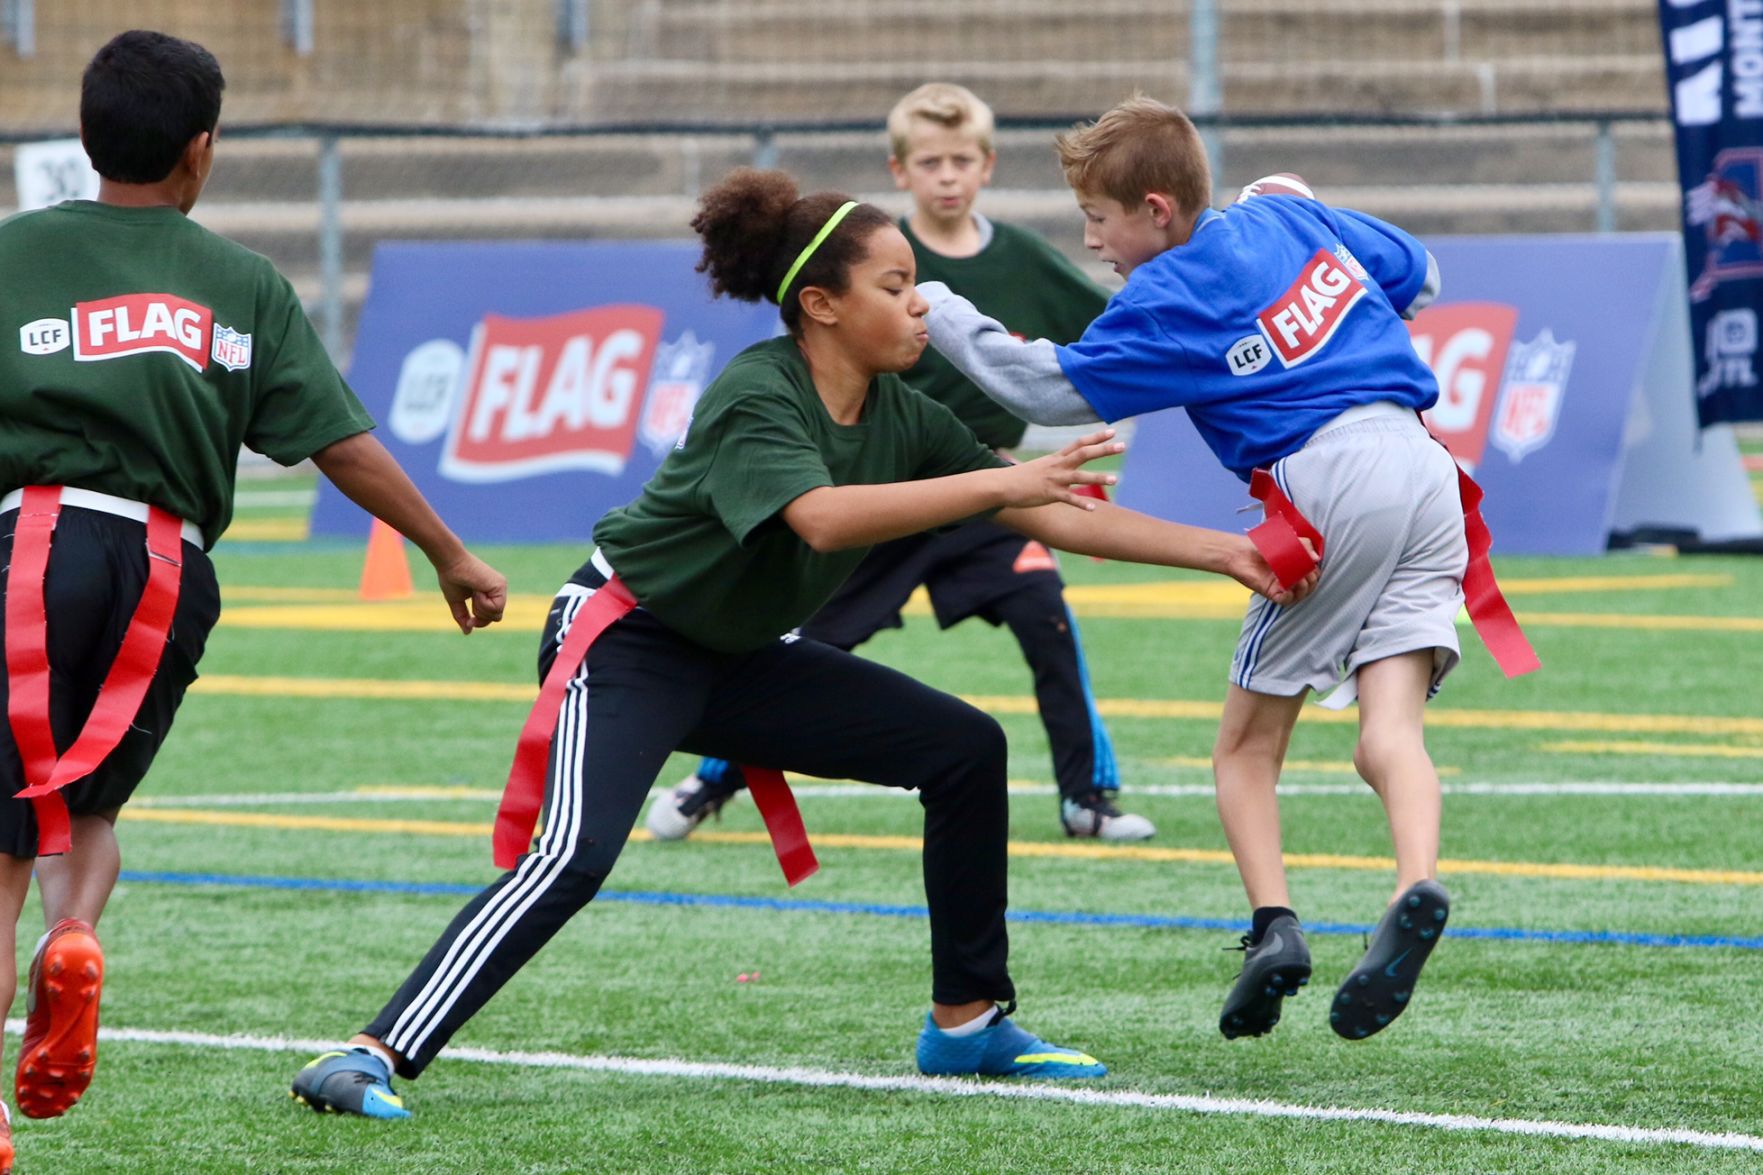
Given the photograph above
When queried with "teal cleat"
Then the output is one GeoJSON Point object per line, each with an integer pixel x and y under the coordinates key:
{"type": "Point", "coordinates": [1001, 1049]}
{"type": "Point", "coordinates": [352, 1082]}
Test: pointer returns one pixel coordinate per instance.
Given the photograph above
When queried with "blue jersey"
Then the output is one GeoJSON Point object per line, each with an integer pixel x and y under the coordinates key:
{"type": "Point", "coordinates": [1276, 316]}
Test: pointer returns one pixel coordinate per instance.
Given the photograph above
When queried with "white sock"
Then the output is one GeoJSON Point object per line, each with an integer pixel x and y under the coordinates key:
{"type": "Point", "coordinates": [382, 1054]}
{"type": "Point", "coordinates": [974, 1026]}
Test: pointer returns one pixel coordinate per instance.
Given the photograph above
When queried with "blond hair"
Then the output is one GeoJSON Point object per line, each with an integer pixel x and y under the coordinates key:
{"type": "Point", "coordinates": [945, 104]}
{"type": "Point", "coordinates": [1139, 147]}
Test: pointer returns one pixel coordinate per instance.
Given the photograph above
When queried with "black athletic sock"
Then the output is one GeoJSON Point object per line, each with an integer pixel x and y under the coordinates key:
{"type": "Point", "coordinates": [1264, 917]}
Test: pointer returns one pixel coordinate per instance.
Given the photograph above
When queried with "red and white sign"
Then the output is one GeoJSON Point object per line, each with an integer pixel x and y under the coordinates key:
{"type": "Point", "coordinates": [548, 394]}
{"type": "Point", "coordinates": [136, 324]}
{"type": "Point", "coordinates": [1465, 344]}
{"type": "Point", "coordinates": [1305, 317]}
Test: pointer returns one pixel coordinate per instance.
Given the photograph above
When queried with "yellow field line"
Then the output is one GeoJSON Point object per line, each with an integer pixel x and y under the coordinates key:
{"type": "Point", "coordinates": [425, 613]}
{"type": "Point", "coordinates": [495, 691]}
{"type": "Point", "coordinates": [269, 530]}
{"type": "Point", "coordinates": [336, 609]}
{"type": "Point", "coordinates": [1550, 585]}
{"type": "Point", "coordinates": [1689, 750]}
{"type": "Point", "coordinates": [1063, 850]}
{"type": "Point", "coordinates": [307, 823]}
{"type": "Point", "coordinates": [1664, 623]}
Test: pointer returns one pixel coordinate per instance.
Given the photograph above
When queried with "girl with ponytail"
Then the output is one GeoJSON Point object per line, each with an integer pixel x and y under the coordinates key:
{"type": "Point", "coordinates": [676, 635]}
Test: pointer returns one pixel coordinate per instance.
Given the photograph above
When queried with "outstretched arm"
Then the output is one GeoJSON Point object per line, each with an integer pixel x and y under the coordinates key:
{"type": "Point", "coordinates": [359, 465]}
{"type": "Point", "coordinates": [836, 518]}
{"type": "Point", "coordinates": [1114, 532]}
{"type": "Point", "coordinates": [1022, 375]}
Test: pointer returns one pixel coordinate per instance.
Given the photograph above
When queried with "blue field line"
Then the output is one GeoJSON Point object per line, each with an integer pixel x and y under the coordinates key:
{"type": "Point", "coordinates": [1052, 917]}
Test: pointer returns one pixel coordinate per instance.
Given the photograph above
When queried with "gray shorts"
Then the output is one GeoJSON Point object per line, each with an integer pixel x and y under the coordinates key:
{"type": "Point", "coordinates": [1384, 496]}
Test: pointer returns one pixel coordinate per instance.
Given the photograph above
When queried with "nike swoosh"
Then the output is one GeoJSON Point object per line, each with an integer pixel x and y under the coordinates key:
{"type": "Point", "coordinates": [1397, 962]}
{"type": "Point", "coordinates": [1273, 942]}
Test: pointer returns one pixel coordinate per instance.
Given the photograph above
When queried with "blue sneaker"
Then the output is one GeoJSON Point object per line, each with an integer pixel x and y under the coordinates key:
{"type": "Point", "coordinates": [352, 1082]}
{"type": "Point", "coordinates": [1001, 1049]}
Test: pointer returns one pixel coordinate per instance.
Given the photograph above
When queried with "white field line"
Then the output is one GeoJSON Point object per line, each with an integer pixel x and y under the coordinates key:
{"type": "Point", "coordinates": [959, 1087]}
{"type": "Point", "coordinates": [411, 795]}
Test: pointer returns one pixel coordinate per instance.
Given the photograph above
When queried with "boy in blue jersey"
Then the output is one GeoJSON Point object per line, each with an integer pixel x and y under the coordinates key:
{"type": "Point", "coordinates": [1278, 325]}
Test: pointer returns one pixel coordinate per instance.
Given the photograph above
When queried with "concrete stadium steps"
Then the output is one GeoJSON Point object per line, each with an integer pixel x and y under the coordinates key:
{"type": "Point", "coordinates": [474, 168]}
{"type": "Point", "coordinates": [859, 31]}
{"type": "Point", "coordinates": [501, 61]}
{"type": "Point", "coordinates": [1369, 157]}
{"type": "Point", "coordinates": [1356, 156]}
{"type": "Point", "coordinates": [693, 92]}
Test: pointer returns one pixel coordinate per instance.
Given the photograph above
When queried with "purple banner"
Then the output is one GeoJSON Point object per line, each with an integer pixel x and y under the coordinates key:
{"type": "Point", "coordinates": [529, 388]}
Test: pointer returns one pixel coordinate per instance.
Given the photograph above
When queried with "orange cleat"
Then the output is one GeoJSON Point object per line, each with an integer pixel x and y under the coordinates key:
{"type": "Point", "coordinates": [61, 1021]}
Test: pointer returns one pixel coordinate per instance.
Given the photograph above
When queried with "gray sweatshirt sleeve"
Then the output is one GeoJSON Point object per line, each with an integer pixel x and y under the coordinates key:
{"type": "Point", "coordinates": [1429, 289]}
{"type": "Point", "coordinates": [1024, 376]}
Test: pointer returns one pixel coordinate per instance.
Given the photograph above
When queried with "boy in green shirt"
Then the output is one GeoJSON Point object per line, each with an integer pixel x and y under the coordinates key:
{"type": "Point", "coordinates": [149, 350]}
{"type": "Point", "coordinates": [941, 140]}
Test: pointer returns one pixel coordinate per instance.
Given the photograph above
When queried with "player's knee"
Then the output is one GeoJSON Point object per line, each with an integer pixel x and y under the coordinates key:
{"type": "Point", "coordinates": [1381, 750]}
{"type": "Point", "coordinates": [987, 741]}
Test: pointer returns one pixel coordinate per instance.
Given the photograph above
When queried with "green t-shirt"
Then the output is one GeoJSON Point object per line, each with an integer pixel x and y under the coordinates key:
{"type": "Point", "coordinates": [1024, 283]}
{"type": "Point", "coordinates": [704, 547]}
{"type": "Point", "coordinates": [138, 351]}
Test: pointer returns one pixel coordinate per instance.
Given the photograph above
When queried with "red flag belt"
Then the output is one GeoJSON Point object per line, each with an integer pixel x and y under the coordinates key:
{"type": "Point", "coordinates": [521, 800]}
{"type": "Point", "coordinates": [1278, 541]}
{"type": "Point", "coordinates": [1279, 538]}
{"type": "Point", "coordinates": [1488, 609]}
{"type": "Point", "coordinates": [27, 659]}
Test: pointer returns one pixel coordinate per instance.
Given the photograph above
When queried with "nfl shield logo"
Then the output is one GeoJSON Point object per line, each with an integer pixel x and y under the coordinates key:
{"type": "Point", "coordinates": [232, 350]}
{"type": "Point", "coordinates": [682, 368]}
{"type": "Point", "coordinates": [1530, 402]}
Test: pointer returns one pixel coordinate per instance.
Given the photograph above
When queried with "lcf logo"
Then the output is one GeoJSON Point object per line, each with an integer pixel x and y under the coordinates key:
{"type": "Point", "coordinates": [139, 324]}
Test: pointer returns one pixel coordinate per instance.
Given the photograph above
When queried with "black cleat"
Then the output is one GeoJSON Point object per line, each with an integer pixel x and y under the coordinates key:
{"type": "Point", "coordinates": [1273, 969]}
{"type": "Point", "coordinates": [1381, 986]}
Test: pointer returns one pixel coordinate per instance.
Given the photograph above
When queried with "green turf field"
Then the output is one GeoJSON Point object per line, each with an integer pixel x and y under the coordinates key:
{"type": "Point", "coordinates": [620, 1047]}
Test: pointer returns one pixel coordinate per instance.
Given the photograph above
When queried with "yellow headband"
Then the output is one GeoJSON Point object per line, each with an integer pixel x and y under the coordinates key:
{"type": "Point", "coordinates": [826, 230]}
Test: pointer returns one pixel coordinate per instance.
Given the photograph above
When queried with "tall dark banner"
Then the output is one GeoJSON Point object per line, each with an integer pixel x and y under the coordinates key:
{"type": "Point", "coordinates": [1714, 63]}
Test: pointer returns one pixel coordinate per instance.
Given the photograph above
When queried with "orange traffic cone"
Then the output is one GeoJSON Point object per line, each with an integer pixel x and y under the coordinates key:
{"type": "Point", "coordinates": [385, 575]}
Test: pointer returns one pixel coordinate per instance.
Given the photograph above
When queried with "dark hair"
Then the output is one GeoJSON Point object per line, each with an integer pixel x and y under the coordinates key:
{"type": "Point", "coordinates": [754, 226]}
{"type": "Point", "coordinates": [143, 98]}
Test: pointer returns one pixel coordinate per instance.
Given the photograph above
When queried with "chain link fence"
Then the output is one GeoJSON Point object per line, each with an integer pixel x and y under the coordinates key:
{"type": "Point", "coordinates": [650, 63]}
{"type": "Point", "coordinates": [349, 123]}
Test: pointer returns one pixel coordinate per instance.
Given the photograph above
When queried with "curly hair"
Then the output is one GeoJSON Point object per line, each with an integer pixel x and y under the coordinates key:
{"type": "Point", "coordinates": [755, 223]}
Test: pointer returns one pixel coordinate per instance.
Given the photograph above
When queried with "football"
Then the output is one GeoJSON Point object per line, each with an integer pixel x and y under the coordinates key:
{"type": "Point", "coordinates": [1284, 183]}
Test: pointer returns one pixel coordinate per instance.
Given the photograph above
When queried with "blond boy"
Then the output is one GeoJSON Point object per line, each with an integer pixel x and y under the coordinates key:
{"type": "Point", "coordinates": [1278, 325]}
